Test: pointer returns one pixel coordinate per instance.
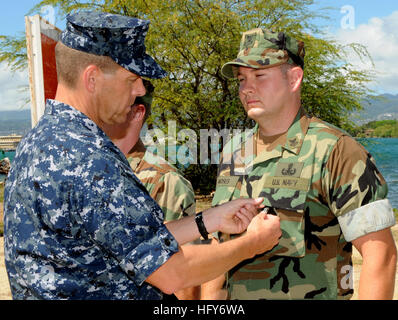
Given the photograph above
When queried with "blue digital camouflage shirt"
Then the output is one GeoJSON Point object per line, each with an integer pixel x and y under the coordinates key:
{"type": "Point", "coordinates": [78, 223]}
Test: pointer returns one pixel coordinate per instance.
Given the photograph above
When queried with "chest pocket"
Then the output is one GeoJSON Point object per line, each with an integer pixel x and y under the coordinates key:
{"type": "Point", "coordinates": [288, 203]}
{"type": "Point", "coordinates": [285, 192]}
{"type": "Point", "coordinates": [290, 208]}
{"type": "Point", "coordinates": [286, 197]}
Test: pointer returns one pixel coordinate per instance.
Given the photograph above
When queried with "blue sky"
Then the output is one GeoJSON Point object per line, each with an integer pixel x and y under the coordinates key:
{"type": "Point", "coordinates": [12, 15]}
{"type": "Point", "coordinates": [364, 9]}
{"type": "Point", "coordinates": [369, 22]}
{"type": "Point", "coordinates": [13, 12]}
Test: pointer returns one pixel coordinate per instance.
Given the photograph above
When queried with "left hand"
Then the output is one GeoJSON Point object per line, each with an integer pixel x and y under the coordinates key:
{"type": "Point", "coordinates": [233, 217]}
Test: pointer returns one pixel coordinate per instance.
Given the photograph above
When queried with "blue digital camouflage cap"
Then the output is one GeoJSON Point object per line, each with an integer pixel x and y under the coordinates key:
{"type": "Point", "coordinates": [119, 37]}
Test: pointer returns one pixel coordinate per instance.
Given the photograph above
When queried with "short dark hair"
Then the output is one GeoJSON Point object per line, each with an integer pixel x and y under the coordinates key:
{"type": "Point", "coordinates": [71, 62]}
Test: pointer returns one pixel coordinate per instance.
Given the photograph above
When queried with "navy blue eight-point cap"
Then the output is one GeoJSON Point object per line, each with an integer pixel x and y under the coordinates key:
{"type": "Point", "coordinates": [119, 37]}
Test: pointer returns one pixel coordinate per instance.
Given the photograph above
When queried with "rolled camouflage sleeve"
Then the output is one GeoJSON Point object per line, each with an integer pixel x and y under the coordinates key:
{"type": "Point", "coordinates": [356, 191]}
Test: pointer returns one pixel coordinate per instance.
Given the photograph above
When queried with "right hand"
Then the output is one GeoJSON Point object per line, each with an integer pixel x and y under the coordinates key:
{"type": "Point", "coordinates": [266, 231]}
{"type": "Point", "coordinates": [232, 217]}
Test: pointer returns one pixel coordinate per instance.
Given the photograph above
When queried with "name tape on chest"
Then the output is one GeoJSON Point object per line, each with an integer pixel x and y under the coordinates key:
{"type": "Point", "coordinates": [287, 175]}
{"type": "Point", "coordinates": [288, 183]}
{"type": "Point", "coordinates": [227, 181]}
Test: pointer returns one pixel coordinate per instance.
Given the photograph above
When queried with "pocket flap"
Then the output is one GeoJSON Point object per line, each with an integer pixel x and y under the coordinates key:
{"type": "Point", "coordinates": [290, 207]}
{"type": "Point", "coordinates": [292, 241]}
{"type": "Point", "coordinates": [283, 198]}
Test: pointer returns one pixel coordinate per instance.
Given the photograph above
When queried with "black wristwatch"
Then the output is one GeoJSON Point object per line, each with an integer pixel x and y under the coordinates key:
{"type": "Point", "coordinates": [201, 226]}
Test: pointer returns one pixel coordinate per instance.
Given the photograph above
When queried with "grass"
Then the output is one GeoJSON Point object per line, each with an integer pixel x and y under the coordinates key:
{"type": "Point", "coordinates": [203, 203]}
{"type": "Point", "coordinates": [1, 192]}
{"type": "Point", "coordinates": [1, 209]}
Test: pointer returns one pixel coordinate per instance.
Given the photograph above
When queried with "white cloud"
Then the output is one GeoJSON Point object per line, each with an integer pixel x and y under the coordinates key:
{"type": "Point", "coordinates": [14, 88]}
{"type": "Point", "coordinates": [380, 38]}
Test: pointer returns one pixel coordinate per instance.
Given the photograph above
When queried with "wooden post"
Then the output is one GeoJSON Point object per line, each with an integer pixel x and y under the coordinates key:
{"type": "Point", "coordinates": [41, 37]}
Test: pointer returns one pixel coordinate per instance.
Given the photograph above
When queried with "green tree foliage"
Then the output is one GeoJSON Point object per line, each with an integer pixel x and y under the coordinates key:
{"type": "Point", "coordinates": [192, 39]}
{"type": "Point", "coordinates": [380, 129]}
{"type": "Point", "coordinates": [13, 51]}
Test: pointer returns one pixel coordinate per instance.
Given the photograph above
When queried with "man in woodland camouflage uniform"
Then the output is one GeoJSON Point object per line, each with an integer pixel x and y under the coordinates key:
{"type": "Point", "coordinates": [78, 224]}
{"type": "Point", "coordinates": [322, 184]}
{"type": "Point", "coordinates": [171, 191]}
{"type": "Point", "coordinates": [164, 182]}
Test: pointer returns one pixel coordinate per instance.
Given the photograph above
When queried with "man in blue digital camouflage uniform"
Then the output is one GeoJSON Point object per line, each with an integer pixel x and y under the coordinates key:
{"type": "Point", "coordinates": [78, 223]}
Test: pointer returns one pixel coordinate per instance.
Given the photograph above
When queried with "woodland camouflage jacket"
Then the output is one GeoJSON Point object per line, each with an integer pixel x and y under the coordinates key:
{"type": "Point", "coordinates": [326, 190]}
{"type": "Point", "coordinates": [172, 192]}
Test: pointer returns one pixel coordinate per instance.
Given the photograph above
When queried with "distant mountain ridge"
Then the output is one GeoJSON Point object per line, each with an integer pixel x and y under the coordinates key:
{"type": "Point", "coordinates": [23, 114]}
{"type": "Point", "coordinates": [15, 122]}
{"type": "Point", "coordinates": [383, 107]}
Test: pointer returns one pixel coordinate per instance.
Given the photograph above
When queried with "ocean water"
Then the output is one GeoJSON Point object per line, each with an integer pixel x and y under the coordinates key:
{"type": "Point", "coordinates": [384, 150]}
{"type": "Point", "coordinates": [6, 154]}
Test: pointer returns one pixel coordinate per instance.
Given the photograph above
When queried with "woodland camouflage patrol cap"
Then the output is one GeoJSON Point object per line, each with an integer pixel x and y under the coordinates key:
{"type": "Point", "coordinates": [262, 48]}
{"type": "Point", "coordinates": [119, 37]}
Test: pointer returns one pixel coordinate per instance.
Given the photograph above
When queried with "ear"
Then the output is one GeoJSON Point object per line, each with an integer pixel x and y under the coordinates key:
{"type": "Point", "coordinates": [138, 113]}
{"type": "Point", "coordinates": [295, 78]}
{"type": "Point", "coordinates": [90, 77]}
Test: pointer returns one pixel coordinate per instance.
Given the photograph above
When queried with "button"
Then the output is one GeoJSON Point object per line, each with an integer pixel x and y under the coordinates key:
{"type": "Point", "coordinates": [167, 242]}
{"type": "Point", "coordinates": [131, 273]}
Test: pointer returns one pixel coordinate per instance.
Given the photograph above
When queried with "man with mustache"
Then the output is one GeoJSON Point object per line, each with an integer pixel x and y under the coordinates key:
{"type": "Point", "coordinates": [78, 224]}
